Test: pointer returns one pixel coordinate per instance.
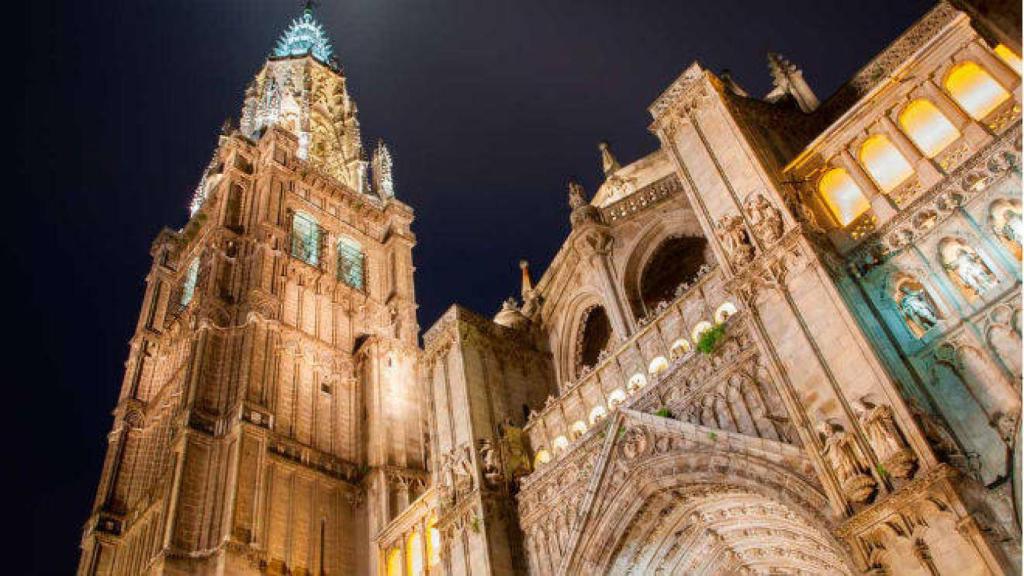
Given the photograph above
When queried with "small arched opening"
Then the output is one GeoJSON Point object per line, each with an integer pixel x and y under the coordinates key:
{"type": "Point", "coordinates": [594, 335]}
{"type": "Point", "coordinates": [676, 261]}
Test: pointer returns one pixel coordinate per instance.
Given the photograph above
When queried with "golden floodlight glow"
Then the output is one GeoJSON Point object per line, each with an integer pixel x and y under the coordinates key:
{"type": "Point", "coordinates": [975, 90]}
{"type": "Point", "coordinates": [930, 130]}
{"type": "Point", "coordinates": [884, 162]}
{"type": "Point", "coordinates": [1008, 56]}
{"type": "Point", "coordinates": [842, 195]}
{"type": "Point", "coordinates": [414, 555]}
{"type": "Point", "coordinates": [394, 562]}
{"type": "Point", "coordinates": [433, 542]}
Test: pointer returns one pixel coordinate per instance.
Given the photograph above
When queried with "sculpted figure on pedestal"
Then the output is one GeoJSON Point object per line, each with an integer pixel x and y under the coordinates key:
{"type": "Point", "coordinates": [886, 439]}
{"type": "Point", "coordinates": [840, 451]}
{"type": "Point", "coordinates": [916, 308]}
{"type": "Point", "coordinates": [765, 219]}
{"type": "Point", "coordinates": [970, 270]}
{"type": "Point", "coordinates": [733, 235]}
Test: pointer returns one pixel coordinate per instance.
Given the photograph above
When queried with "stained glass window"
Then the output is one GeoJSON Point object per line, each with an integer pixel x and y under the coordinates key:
{"type": "Point", "coordinates": [305, 238]}
{"type": "Point", "coordinates": [351, 263]}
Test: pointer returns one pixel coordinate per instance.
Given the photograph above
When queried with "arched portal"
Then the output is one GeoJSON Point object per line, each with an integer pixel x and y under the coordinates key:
{"type": "Point", "coordinates": [595, 332]}
{"type": "Point", "coordinates": [708, 512]}
{"type": "Point", "coordinates": [675, 261]}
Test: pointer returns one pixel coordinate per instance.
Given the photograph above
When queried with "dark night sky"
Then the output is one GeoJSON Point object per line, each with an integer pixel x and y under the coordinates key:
{"type": "Point", "coordinates": [489, 107]}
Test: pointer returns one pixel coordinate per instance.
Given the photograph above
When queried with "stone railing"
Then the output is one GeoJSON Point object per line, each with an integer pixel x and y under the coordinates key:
{"type": "Point", "coordinates": [641, 199]}
{"type": "Point", "coordinates": [664, 342]}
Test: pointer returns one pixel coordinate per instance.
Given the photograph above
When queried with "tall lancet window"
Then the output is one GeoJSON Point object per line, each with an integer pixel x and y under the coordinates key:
{"type": "Point", "coordinates": [188, 288]}
{"type": "Point", "coordinates": [351, 263]}
{"type": "Point", "coordinates": [306, 238]}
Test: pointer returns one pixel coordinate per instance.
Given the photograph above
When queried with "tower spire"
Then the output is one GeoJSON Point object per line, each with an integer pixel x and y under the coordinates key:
{"type": "Point", "coordinates": [608, 161]}
{"type": "Point", "coordinates": [788, 79]}
{"type": "Point", "coordinates": [304, 36]}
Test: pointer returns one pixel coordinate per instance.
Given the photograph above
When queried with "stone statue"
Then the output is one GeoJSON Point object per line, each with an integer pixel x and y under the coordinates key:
{"type": "Point", "coordinates": [971, 271]}
{"type": "Point", "coordinates": [517, 462]}
{"type": "Point", "coordinates": [1013, 228]}
{"type": "Point", "coordinates": [765, 219]}
{"type": "Point", "coordinates": [916, 308]}
{"type": "Point", "coordinates": [491, 464]}
{"type": "Point", "coordinates": [937, 435]}
{"type": "Point", "coordinates": [886, 439]}
{"type": "Point", "coordinates": [576, 195]}
{"type": "Point", "coordinates": [733, 236]}
{"type": "Point", "coordinates": [840, 451]}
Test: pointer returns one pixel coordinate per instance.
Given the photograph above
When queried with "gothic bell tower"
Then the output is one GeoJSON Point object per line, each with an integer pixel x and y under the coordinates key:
{"type": "Point", "coordinates": [270, 418]}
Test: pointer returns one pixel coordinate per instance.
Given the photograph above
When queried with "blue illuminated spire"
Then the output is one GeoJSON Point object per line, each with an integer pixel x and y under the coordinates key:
{"type": "Point", "coordinates": [305, 36]}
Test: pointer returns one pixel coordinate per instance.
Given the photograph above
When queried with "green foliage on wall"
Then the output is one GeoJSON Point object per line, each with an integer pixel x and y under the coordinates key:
{"type": "Point", "coordinates": [710, 339]}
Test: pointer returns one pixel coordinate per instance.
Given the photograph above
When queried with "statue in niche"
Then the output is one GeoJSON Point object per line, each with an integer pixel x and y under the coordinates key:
{"type": "Point", "coordinates": [885, 438]}
{"type": "Point", "coordinates": [765, 219]}
{"type": "Point", "coordinates": [916, 307]}
{"type": "Point", "coordinates": [968, 268]}
{"type": "Point", "coordinates": [841, 452]}
{"type": "Point", "coordinates": [1013, 227]}
{"type": "Point", "coordinates": [734, 238]}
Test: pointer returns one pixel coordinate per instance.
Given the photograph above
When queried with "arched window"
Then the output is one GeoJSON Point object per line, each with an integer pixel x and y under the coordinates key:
{"type": "Point", "coordinates": [542, 457]}
{"type": "Point", "coordinates": [658, 365]}
{"type": "Point", "coordinates": [975, 90]}
{"type": "Point", "coordinates": [842, 196]}
{"type": "Point", "coordinates": [929, 129]}
{"type": "Point", "coordinates": [675, 261]}
{"type": "Point", "coordinates": [597, 413]}
{"type": "Point", "coordinates": [414, 555]}
{"type": "Point", "coordinates": [617, 396]}
{"type": "Point", "coordinates": [701, 327]}
{"type": "Point", "coordinates": [679, 348]}
{"type": "Point", "coordinates": [593, 337]}
{"type": "Point", "coordinates": [1009, 56]}
{"type": "Point", "coordinates": [884, 163]}
{"type": "Point", "coordinates": [724, 312]}
{"type": "Point", "coordinates": [560, 444]}
{"type": "Point", "coordinates": [579, 428]}
{"type": "Point", "coordinates": [351, 263]}
{"type": "Point", "coordinates": [306, 235]}
{"type": "Point", "coordinates": [433, 542]}
{"type": "Point", "coordinates": [636, 382]}
{"type": "Point", "coordinates": [188, 287]}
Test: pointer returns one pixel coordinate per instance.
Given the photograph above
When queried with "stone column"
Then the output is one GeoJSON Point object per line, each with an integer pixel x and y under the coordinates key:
{"type": "Point", "coordinates": [967, 126]}
{"type": "Point", "coordinates": [994, 65]}
{"type": "Point", "coordinates": [927, 172]}
{"type": "Point", "coordinates": [881, 205]}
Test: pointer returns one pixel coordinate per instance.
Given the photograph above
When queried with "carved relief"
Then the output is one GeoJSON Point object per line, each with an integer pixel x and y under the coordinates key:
{"type": "Point", "coordinates": [765, 219]}
{"type": "Point", "coordinates": [734, 238]}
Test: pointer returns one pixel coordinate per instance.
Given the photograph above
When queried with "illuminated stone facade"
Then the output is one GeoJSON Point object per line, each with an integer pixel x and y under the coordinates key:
{"type": "Point", "coordinates": [786, 342]}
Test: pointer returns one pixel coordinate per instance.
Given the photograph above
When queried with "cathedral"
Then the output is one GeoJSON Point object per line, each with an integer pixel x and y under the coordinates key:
{"type": "Point", "coordinates": [787, 341]}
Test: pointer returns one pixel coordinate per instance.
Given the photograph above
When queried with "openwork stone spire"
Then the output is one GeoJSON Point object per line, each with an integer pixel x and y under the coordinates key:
{"type": "Point", "coordinates": [305, 36]}
{"type": "Point", "coordinates": [787, 79]}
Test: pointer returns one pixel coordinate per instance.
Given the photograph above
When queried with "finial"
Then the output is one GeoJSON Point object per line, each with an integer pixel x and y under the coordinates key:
{"type": "Point", "coordinates": [608, 161]}
{"type": "Point", "coordinates": [787, 79]}
{"type": "Point", "coordinates": [527, 284]}
{"type": "Point", "coordinates": [577, 196]}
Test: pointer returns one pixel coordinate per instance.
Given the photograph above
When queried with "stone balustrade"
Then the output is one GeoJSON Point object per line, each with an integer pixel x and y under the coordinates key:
{"type": "Point", "coordinates": [665, 341]}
